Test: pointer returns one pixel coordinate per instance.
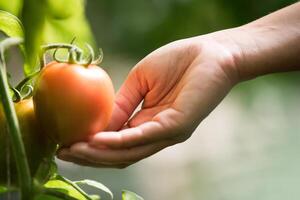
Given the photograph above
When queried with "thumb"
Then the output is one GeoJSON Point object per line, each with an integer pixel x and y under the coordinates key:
{"type": "Point", "coordinates": [127, 99]}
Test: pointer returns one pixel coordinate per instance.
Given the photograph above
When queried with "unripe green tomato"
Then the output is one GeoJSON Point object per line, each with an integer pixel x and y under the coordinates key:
{"type": "Point", "coordinates": [37, 145]}
{"type": "Point", "coordinates": [72, 101]}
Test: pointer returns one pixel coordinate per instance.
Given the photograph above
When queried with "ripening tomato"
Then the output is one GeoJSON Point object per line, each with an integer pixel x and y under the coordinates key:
{"type": "Point", "coordinates": [72, 101]}
{"type": "Point", "coordinates": [37, 145]}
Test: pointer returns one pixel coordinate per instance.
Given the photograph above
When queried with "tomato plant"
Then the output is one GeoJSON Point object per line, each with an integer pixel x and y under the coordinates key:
{"type": "Point", "coordinates": [37, 145]}
{"type": "Point", "coordinates": [73, 101]}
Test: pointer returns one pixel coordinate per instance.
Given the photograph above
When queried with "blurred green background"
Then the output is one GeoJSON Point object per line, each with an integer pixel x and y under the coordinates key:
{"type": "Point", "coordinates": [138, 27]}
{"type": "Point", "coordinates": [248, 148]}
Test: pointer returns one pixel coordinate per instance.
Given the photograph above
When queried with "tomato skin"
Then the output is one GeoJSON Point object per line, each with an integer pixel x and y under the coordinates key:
{"type": "Point", "coordinates": [37, 145]}
{"type": "Point", "coordinates": [73, 102]}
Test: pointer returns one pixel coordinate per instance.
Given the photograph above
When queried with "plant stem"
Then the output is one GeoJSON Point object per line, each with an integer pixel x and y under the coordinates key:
{"type": "Point", "coordinates": [18, 148]}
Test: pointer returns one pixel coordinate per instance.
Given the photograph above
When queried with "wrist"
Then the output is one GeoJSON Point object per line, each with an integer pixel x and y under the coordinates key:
{"type": "Point", "coordinates": [268, 45]}
{"type": "Point", "coordinates": [234, 60]}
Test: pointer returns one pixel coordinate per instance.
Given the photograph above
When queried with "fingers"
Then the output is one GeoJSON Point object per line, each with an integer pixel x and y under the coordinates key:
{"type": "Point", "coordinates": [127, 99]}
{"type": "Point", "coordinates": [143, 134]}
{"type": "Point", "coordinates": [83, 154]}
{"type": "Point", "coordinates": [163, 126]}
{"type": "Point", "coordinates": [85, 163]}
{"type": "Point", "coordinates": [66, 155]}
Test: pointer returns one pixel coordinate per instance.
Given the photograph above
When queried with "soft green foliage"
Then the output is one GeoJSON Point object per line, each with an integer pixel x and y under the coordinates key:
{"type": "Point", "coordinates": [74, 185]}
{"type": "Point", "coordinates": [95, 184]}
{"type": "Point", "coordinates": [60, 185]}
{"type": "Point", "coordinates": [48, 21]}
{"type": "Point", "coordinates": [58, 188]}
{"type": "Point", "coordinates": [136, 28]}
{"type": "Point", "coordinates": [10, 25]}
{"type": "Point", "coordinates": [46, 197]}
{"type": "Point", "coordinates": [3, 189]}
{"type": "Point", "coordinates": [64, 187]}
{"type": "Point", "coordinates": [12, 6]}
{"type": "Point", "coordinates": [127, 195]}
{"type": "Point", "coordinates": [68, 18]}
{"type": "Point", "coordinates": [58, 21]}
{"type": "Point", "coordinates": [34, 36]}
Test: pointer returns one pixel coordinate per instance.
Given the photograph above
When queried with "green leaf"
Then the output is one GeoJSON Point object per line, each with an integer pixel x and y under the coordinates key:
{"type": "Point", "coordinates": [33, 18]}
{"type": "Point", "coordinates": [95, 197]}
{"type": "Point", "coordinates": [3, 189]}
{"type": "Point", "coordinates": [63, 9]}
{"type": "Point", "coordinates": [13, 7]}
{"type": "Point", "coordinates": [46, 197]}
{"type": "Point", "coordinates": [72, 184]}
{"type": "Point", "coordinates": [127, 195]}
{"type": "Point", "coordinates": [10, 25]}
{"type": "Point", "coordinates": [66, 188]}
{"type": "Point", "coordinates": [65, 20]}
{"type": "Point", "coordinates": [52, 21]}
{"type": "Point", "coordinates": [95, 184]}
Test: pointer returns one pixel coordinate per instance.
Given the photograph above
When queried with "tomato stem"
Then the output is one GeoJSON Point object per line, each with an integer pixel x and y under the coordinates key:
{"type": "Point", "coordinates": [18, 148]}
{"type": "Point", "coordinates": [48, 47]}
{"type": "Point", "coordinates": [26, 80]}
{"type": "Point", "coordinates": [99, 58]}
{"type": "Point", "coordinates": [75, 54]}
{"type": "Point", "coordinates": [17, 95]}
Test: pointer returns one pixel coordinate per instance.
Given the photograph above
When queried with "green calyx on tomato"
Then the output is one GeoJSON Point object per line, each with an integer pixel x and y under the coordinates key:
{"type": "Point", "coordinates": [73, 99]}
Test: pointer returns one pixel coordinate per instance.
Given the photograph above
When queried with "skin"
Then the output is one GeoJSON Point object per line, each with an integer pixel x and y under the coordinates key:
{"type": "Point", "coordinates": [180, 83]}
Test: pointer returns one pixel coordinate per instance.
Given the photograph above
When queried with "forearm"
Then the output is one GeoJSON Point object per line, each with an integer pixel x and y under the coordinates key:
{"type": "Point", "coordinates": [270, 44]}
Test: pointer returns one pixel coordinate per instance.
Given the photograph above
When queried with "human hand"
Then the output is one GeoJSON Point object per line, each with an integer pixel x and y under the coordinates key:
{"type": "Point", "coordinates": [182, 82]}
{"type": "Point", "coordinates": [179, 84]}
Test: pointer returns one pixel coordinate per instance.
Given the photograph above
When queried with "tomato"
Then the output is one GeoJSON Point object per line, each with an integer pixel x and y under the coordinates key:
{"type": "Point", "coordinates": [37, 145]}
{"type": "Point", "coordinates": [72, 101]}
